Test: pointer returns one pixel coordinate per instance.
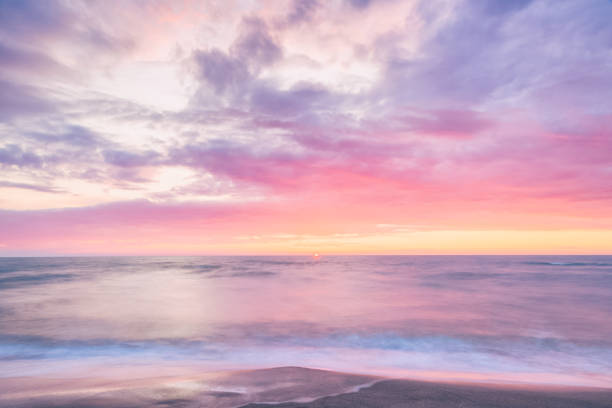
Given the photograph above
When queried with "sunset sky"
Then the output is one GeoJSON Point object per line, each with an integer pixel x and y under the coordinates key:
{"type": "Point", "coordinates": [281, 127]}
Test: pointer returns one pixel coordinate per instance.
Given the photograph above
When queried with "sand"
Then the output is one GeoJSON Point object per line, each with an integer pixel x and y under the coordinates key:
{"type": "Point", "coordinates": [292, 387]}
{"type": "Point", "coordinates": [413, 394]}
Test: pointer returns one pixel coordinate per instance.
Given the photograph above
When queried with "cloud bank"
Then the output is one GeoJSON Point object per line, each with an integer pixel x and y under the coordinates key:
{"type": "Point", "coordinates": [303, 119]}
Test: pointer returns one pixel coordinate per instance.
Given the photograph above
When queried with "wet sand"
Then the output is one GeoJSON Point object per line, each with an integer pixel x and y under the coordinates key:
{"type": "Point", "coordinates": [213, 389]}
{"type": "Point", "coordinates": [406, 393]}
{"type": "Point", "coordinates": [289, 387]}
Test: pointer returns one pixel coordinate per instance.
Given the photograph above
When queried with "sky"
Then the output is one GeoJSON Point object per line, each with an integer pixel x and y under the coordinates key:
{"type": "Point", "coordinates": [302, 126]}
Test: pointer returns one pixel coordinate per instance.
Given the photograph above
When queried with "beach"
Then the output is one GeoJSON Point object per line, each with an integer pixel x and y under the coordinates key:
{"type": "Point", "coordinates": [295, 387]}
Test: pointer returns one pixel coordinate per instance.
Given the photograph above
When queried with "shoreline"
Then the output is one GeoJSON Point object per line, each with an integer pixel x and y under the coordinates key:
{"type": "Point", "coordinates": [287, 387]}
{"type": "Point", "coordinates": [391, 393]}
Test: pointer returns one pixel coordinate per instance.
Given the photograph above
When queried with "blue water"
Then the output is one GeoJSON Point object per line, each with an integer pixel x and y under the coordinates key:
{"type": "Point", "coordinates": [509, 318]}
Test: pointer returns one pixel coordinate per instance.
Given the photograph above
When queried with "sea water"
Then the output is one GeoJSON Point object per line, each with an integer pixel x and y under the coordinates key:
{"type": "Point", "coordinates": [541, 319]}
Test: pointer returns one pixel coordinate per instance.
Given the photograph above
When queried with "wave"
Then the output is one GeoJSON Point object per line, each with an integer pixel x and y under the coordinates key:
{"type": "Point", "coordinates": [202, 268]}
{"type": "Point", "coordinates": [569, 263]}
{"type": "Point", "coordinates": [44, 348]}
{"type": "Point", "coordinates": [10, 282]}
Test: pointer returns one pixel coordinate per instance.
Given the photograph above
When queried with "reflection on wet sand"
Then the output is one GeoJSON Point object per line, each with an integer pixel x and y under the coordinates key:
{"type": "Point", "coordinates": [292, 387]}
{"type": "Point", "coordinates": [217, 389]}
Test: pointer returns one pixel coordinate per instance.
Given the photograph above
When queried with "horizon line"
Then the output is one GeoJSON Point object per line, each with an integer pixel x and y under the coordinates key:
{"type": "Point", "coordinates": [300, 255]}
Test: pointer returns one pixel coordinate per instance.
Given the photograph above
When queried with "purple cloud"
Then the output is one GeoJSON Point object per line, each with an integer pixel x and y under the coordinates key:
{"type": "Point", "coordinates": [221, 71]}
{"type": "Point", "coordinates": [13, 155]}
{"type": "Point", "coordinates": [122, 158]}
{"type": "Point", "coordinates": [35, 23]}
{"type": "Point", "coordinates": [301, 99]}
{"type": "Point", "coordinates": [360, 4]}
{"type": "Point", "coordinates": [21, 100]}
{"type": "Point", "coordinates": [301, 11]}
{"type": "Point", "coordinates": [254, 45]}
{"type": "Point", "coordinates": [72, 135]}
{"type": "Point", "coordinates": [234, 71]}
{"type": "Point", "coordinates": [30, 20]}
{"type": "Point", "coordinates": [25, 186]}
{"type": "Point", "coordinates": [448, 123]}
{"type": "Point", "coordinates": [18, 60]}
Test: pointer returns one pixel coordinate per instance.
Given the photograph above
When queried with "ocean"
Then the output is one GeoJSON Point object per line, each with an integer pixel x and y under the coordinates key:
{"type": "Point", "coordinates": [534, 319]}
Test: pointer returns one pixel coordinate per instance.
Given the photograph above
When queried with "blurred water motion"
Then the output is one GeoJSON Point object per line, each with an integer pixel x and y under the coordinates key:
{"type": "Point", "coordinates": [516, 318]}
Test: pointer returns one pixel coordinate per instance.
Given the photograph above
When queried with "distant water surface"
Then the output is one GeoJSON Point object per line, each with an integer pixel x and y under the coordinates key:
{"type": "Point", "coordinates": [545, 319]}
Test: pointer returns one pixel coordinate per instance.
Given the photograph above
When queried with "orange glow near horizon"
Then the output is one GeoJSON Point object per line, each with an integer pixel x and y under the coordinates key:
{"type": "Point", "coordinates": [415, 243]}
